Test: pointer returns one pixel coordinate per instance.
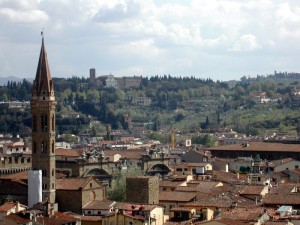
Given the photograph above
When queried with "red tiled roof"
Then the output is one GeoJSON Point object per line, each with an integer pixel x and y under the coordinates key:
{"type": "Point", "coordinates": [58, 219]}
{"type": "Point", "coordinates": [227, 221]}
{"type": "Point", "coordinates": [219, 201]}
{"type": "Point", "coordinates": [250, 189]}
{"type": "Point", "coordinates": [178, 196]}
{"type": "Point", "coordinates": [17, 219]}
{"type": "Point", "coordinates": [168, 183]}
{"type": "Point", "coordinates": [259, 146]}
{"type": "Point", "coordinates": [97, 204]}
{"type": "Point", "coordinates": [128, 206]}
{"type": "Point", "coordinates": [244, 214]}
{"type": "Point", "coordinates": [281, 199]}
{"type": "Point", "coordinates": [227, 177]}
{"type": "Point", "coordinates": [186, 188]}
{"type": "Point", "coordinates": [283, 188]}
{"type": "Point", "coordinates": [68, 152]}
{"type": "Point", "coordinates": [7, 206]}
{"type": "Point", "coordinates": [129, 154]}
{"type": "Point", "coordinates": [16, 176]}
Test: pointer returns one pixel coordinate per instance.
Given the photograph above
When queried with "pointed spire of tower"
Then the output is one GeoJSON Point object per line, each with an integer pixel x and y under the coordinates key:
{"type": "Point", "coordinates": [43, 86]}
{"type": "Point", "coordinates": [43, 110]}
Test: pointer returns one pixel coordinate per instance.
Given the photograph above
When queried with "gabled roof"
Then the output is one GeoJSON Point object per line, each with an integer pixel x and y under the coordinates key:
{"type": "Point", "coordinates": [7, 206]}
{"type": "Point", "coordinates": [250, 189]}
{"type": "Point", "coordinates": [218, 201]}
{"type": "Point", "coordinates": [281, 199]}
{"type": "Point", "coordinates": [283, 188]}
{"type": "Point", "coordinates": [176, 196]}
{"type": "Point", "coordinates": [15, 219]}
{"type": "Point", "coordinates": [97, 204]}
{"type": "Point", "coordinates": [58, 219]}
{"type": "Point", "coordinates": [169, 183]}
{"type": "Point", "coordinates": [226, 177]}
{"type": "Point", "coordinates": [244, 214]}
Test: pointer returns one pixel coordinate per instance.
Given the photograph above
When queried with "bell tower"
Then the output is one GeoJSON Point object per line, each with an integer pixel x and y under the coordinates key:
{"type": "Point", "coordinates": [43, 108]}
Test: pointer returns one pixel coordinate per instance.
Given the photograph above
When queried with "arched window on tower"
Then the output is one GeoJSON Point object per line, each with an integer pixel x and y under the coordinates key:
{"type": "Point", "coordinates": [44, 146]}
{"type": "Point", "coordinates": [53, 122]}
{"type": "Point", "coordinates": [34, 127]}
{"type": "Point", "coordinates": [34, 147]}
{"type": "Point", "coordinates": [52, 147]}
{"type": "Point", "coordinates": [44, 123]}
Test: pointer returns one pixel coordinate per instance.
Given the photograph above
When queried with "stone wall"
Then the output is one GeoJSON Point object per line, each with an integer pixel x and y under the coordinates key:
{"type": "Point", "coordinates": [142, 189]}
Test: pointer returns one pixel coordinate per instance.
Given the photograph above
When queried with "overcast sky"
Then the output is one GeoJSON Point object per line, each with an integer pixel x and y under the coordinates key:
{"type": "Point", "coordinates": [220, 39]}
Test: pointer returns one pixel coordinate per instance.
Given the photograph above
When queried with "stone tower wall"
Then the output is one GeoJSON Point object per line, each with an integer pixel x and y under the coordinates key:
{"type": "Point", "coordinates": [142, 189]}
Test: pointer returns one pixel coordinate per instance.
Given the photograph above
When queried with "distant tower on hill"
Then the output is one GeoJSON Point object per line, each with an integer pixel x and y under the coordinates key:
{"type": "Point", "coordinates": [93, 76]}
{"type": "Point", "coordinates": [43, 109]}
{"type": "Point", "coordinates": [142, 189]}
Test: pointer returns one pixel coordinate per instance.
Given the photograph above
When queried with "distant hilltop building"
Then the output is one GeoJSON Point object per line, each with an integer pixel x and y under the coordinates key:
{"type": "Point", "coordinates": [110, 81]}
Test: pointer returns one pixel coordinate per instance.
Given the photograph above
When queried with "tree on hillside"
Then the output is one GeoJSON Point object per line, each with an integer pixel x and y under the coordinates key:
{"type": "Point", "coordinates": [118, 190]}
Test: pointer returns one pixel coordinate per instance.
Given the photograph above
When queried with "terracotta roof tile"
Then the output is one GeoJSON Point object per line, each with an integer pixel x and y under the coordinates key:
{"type": "Point", "coordinates": [97, 204]}
{"type": "Point", "coordinates": [250, 189]}
{"type": "Point", "coordinates": [186, 188]}
{"type": "Point", "coordinates": [260, 146]}
{"type": "Point", "coordinates": [244, 214]}
{"type": "Point", "coordinates": [16, 176]}
{"type": "Point", "coordinates": [128, 206]}
{"type": "Point", "coordinates": [169, 183]}
{"type": "Point", "coordinates": [7, 206]}
{"type": "Point", "coordinates": [68, 152]}
{"type": "Point", "coordinates": [227, 221]}
{"type": "Point", "coordinates": [281, 199]}
{"type": "Point", "coordinates": [218, 201]}
{"type": "Point", "coordinates": [227, 177]}
{"type": "Point", "coordinates": [17, 219]}
{"type": "Point", "coordinates": [178, 196]}
{"type": "Point", "coordinates": [58, 219]}
{"type": "Point", "coordinates": [283, 188]}
{"type": "Point", "coordinates": [129, 154]}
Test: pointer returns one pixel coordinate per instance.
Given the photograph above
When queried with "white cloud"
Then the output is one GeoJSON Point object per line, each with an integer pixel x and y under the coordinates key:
{"type": "Point", "coordinates": [24, 16]}
{"type": "Point", "coordinates": [247, 43]}
{"type": "Point", "coordinates": [168, 36]}
{"type": "Point", "coordinates": [143, 48]}
{"type": "Point", "coordinates": [288, 20]}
